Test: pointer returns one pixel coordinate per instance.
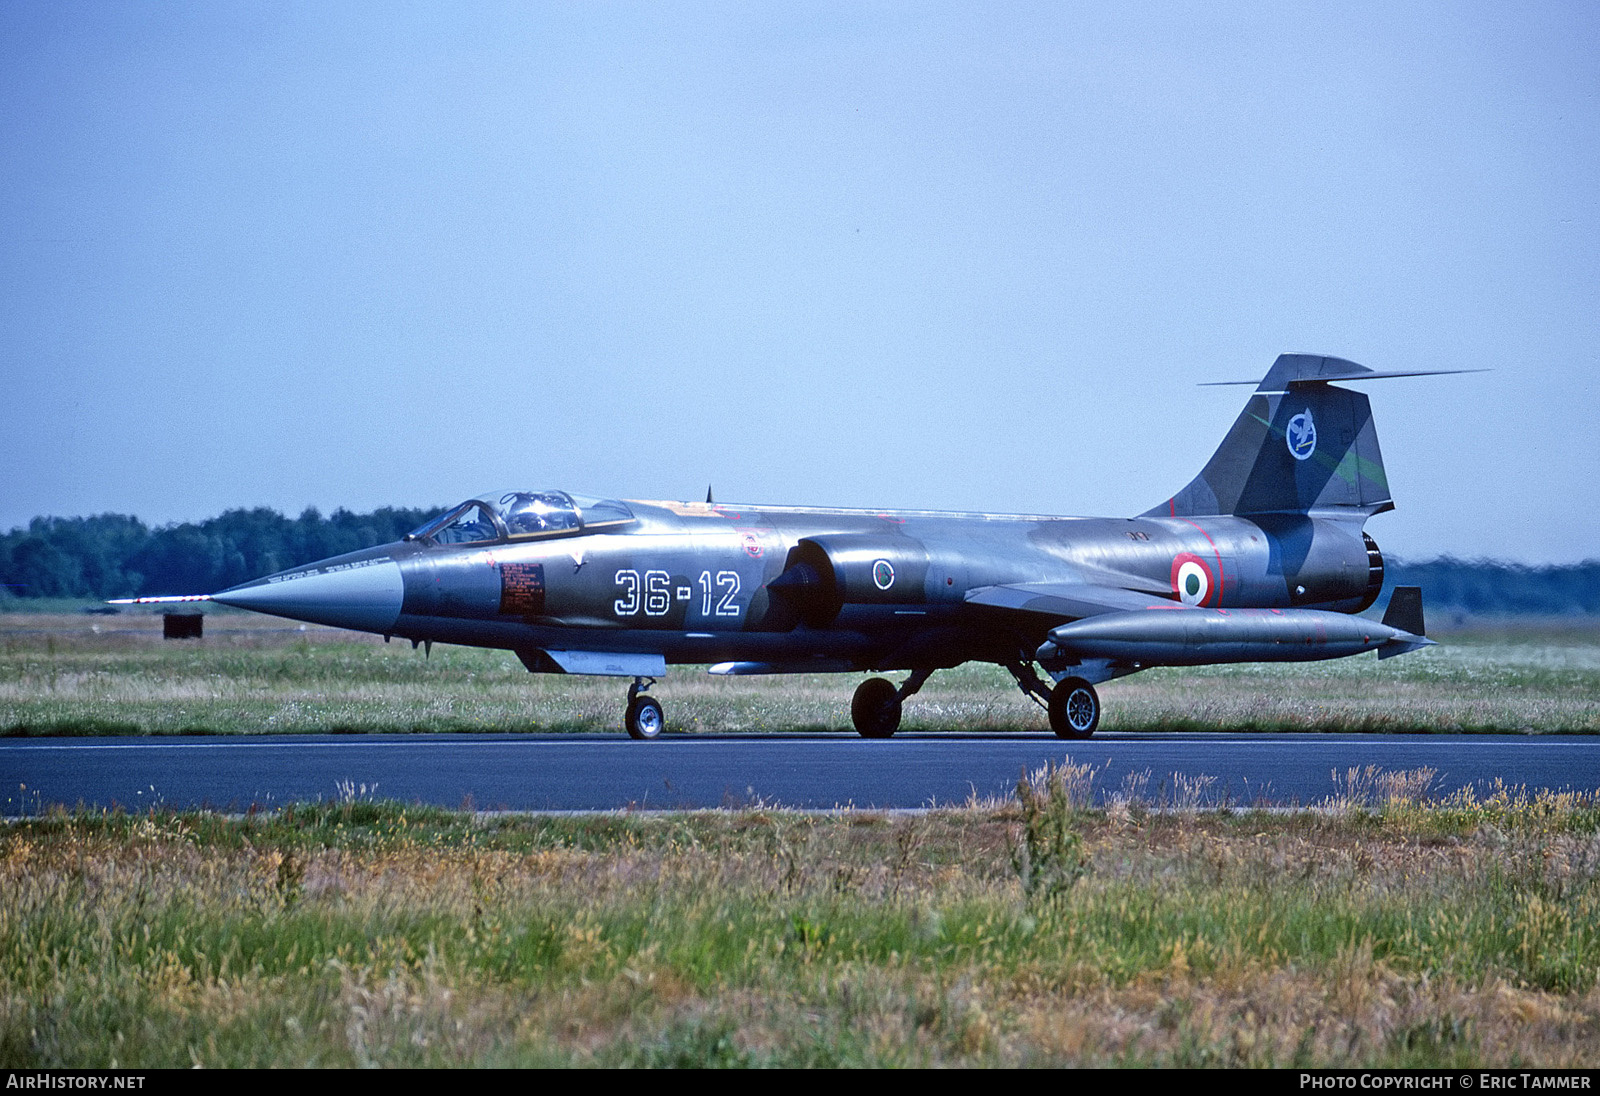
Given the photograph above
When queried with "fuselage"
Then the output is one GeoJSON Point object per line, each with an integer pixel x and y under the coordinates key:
{"type": "Point", "coordinates": [794, 588]}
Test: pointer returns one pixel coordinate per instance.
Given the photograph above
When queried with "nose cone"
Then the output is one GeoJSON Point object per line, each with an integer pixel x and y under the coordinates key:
{"type": "Point", "coordinates": [345, 592]}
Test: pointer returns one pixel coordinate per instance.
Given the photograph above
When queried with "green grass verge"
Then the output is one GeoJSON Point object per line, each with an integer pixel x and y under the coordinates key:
{"type": "Point", "coordinates": [69, 674]}
{"type": "Point", "coordinates": [1383, 931]}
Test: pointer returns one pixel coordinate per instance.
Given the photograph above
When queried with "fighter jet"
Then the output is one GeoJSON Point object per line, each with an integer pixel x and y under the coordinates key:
{"type": "Point", "coordinates": [1261, 558]}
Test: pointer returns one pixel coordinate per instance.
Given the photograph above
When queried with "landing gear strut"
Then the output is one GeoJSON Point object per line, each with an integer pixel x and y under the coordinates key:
{"type": "Point", "coordinates": [875, 709]}
{"type": "Point", "coordinates": [1031, 684]}
{"type": "Point", "coordinates": [1074, 708]}
{"type": "Point", "coordinates": [644, 717]}
{"type": "Point", "coordinates": [1073, 704]}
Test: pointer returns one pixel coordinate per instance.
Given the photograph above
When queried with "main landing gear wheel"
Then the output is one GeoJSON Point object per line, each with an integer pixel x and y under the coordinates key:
{"type": "Point", "coordinates": [875, 709]}
{"type": "Point", "coordinates": [1074, 708]}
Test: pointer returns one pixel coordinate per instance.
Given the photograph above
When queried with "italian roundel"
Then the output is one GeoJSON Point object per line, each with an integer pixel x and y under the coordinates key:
{"type": "Point", "coordinates": [1191, 579]}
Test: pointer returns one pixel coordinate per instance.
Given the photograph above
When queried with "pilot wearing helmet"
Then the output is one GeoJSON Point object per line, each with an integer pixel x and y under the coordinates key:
{"type": "Point", "coordinates": [528, 512]}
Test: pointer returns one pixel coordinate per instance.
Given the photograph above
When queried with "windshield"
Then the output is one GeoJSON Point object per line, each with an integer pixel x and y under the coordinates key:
{"type": "Point", "coordinates": [499, 514]}
{"type": "Point", "coordinates": [469, 523]}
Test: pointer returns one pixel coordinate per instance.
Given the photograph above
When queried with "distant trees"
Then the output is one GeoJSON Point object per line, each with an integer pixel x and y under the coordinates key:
{"type": "Point", "coordinates": [71, 557]}
{"type": "Point", "coordinates": [117, 555]}
{"type": "Point", "coordinates": [1485, 586]}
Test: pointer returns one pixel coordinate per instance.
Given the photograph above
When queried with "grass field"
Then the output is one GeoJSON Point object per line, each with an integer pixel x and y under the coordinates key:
{"type": "Point", "coordinates": [1388, 932]}
{"type": "Point", "coordinates": [67, 673]}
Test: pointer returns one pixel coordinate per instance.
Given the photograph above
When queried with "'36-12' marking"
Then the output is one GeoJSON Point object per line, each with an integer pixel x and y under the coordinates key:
{"type": "Point", "coordinates": [652, 592]}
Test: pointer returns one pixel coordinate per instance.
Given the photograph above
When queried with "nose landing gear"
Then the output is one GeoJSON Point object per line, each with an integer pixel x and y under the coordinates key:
{"type": "Point", "coordinates": [644, 717]}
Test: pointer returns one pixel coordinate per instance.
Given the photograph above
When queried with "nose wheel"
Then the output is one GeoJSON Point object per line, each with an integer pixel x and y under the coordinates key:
{"type": "Point", "coordinates": [644, 717]}
{"type": "Point", "coordinates": [1074, 708]}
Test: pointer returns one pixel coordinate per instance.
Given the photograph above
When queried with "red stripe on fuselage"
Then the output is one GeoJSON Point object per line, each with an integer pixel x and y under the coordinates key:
{"type": "Point", "coordinates": [1222, 583]}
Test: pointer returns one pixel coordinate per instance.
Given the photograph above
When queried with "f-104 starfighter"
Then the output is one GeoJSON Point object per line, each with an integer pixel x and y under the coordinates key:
{"type": "Point", "coordinates": [1263, 557]}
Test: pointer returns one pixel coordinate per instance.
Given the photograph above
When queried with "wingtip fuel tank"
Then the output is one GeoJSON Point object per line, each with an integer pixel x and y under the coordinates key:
{"type": "Point", "coordinates": [1186, 636]}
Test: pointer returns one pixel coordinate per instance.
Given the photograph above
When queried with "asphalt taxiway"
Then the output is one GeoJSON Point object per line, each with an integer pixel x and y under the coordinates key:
{"type": "Point", "coordinates": [809, 771]}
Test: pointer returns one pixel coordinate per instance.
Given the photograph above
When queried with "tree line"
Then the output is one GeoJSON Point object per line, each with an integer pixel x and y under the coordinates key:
{"type": "Point", "coordinates": [116, 555]}
{"type": "Point", "coordinates": [1486, 586]}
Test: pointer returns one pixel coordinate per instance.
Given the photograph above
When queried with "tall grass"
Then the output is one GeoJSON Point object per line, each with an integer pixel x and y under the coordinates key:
{"type": "Point", "coordinates": [1389, 928]}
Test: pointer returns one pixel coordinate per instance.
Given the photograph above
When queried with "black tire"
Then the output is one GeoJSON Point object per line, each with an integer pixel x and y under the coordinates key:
{"type": "Point", "coordinates": [875, 709]}
{"type": "Point", "coordinates": [1074, 708]}
{"type": "Point", "coordinates": [644, 718]}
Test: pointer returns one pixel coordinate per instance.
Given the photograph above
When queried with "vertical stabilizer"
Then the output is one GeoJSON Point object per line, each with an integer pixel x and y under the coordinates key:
{"type": "Point", "coordinates": [1301, 445]}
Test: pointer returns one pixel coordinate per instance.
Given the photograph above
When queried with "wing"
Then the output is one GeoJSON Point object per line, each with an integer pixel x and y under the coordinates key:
{"type": "Point", "coordinates": [1027, 613]}
{"type": "Point", "coordinates": [1050, 603]}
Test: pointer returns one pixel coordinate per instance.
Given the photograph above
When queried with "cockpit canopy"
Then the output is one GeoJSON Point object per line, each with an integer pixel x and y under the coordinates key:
{"type": "Point", "coordinates": [502, 515]}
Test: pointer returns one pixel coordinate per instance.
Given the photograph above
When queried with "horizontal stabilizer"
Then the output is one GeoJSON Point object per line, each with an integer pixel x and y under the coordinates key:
{"type": "Point", "coordinates": [1357, 374]}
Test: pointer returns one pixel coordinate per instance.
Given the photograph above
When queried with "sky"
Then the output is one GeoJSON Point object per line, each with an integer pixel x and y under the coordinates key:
{"type": "Point", "coordinates": [921, 255]}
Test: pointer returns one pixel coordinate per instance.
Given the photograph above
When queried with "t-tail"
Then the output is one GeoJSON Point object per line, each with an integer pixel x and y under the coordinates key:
{"type": "Point", "coordinates": [1302, 445]}
{"type": "Point", "coordinates": [1302, 462]}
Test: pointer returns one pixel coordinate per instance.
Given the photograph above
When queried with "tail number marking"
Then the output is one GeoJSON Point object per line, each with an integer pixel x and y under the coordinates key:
{"type": "Point", "coordinates": [728, 582]}
{"type": "Point", "coordinates": [656, 587]}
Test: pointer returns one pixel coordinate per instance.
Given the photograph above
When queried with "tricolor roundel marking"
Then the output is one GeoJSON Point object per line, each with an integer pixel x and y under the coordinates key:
{"type": "Point", "coordinates": [1191, 579]}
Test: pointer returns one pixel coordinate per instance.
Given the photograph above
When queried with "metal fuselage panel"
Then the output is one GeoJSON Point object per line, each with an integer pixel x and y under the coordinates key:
{"type": "Point", "coordinates": [885, 590]}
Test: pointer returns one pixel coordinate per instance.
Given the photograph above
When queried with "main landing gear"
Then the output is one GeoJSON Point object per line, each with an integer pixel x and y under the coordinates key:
{"type": "Point", "coordinates": [875, 708]}
{"type": "Point", "coordinates": [644, 717]}
{"type": "Point", "coordinates": [1073, 704]}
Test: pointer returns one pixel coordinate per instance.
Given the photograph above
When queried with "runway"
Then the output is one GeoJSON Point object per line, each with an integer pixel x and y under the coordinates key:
{"type": "Point", "coordinates": [809, 771]}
